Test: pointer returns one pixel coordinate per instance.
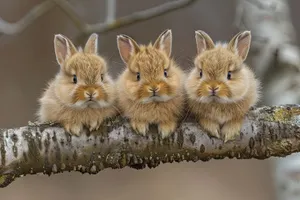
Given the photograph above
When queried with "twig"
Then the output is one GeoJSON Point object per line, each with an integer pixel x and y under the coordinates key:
{"type": "Point", "coordinates": [139, 16]}
{"type": "Point", "coordinates": [67, 8]}
{"type": "Point", "coordinates": [111, 11]}
{"type": "Point", "coordinates": [36, 12]}
{"type": "Point", "coordinates": [39, 10]}
{"type": "Point", "coordinates": [267, 131]}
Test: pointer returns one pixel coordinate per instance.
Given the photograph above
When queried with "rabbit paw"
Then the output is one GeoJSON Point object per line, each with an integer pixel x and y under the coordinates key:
{"type": "Point", "coordinates": [95, 125]}
{"type": "Point", "coordinates": [231, 129]}
{"type": "Point", "coordinates": [99, 123]}
{"type": "Point", "coordinates": [211, 127]}
{"type": "Point", "coordinates": [165, 129]}
{"type": "Point", "coordinates": [74, 129]}
{"type": "Point", "coordinates": [140, 127]}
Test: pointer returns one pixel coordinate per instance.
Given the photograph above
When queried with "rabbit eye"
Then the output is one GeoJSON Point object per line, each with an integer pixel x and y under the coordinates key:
{"type": "Point", "coordinates": [201, 73]}
{"type": "Point", "coordinates": [138, 77]}
{"type": "Point", "coordinates": [102, 77]}
{"type": "Point", "coordinates": [229, 75]}
{"type": "Point", "coordinates": [74, 79]}
{"type": "Point", "coordinates": [165, 73]}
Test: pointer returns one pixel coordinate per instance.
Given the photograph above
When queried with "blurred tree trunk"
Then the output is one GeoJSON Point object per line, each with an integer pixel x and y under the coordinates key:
{"type": "Point", "coordinates": [274, 56]}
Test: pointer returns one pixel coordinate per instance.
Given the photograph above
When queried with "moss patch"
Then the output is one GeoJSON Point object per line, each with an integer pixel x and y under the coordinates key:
{"type": "Point", "coordinates": [3, 179]}
{"type": "Point", "coordinates": [284, 114]}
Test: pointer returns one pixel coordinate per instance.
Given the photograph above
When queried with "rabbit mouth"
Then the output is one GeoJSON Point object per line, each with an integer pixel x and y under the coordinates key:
{"type": "Point", "coordinates": [156, 98]}
{"type": "Point", "coordinates": [92, 103]}
{"type": "Point", "coordinates": [209, 99]}
{"type": "Point", "coordinates": [213, 98]}
{"type": "Point", "coordinates": [97, 103]}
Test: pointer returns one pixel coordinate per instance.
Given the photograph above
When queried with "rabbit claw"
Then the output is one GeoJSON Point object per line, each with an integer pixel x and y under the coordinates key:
{"type": "Point", "coordinates": [230, 130]}
{"type": "Point", "coordinates": [93, 126]}
{"type": "Point", "coordinates": [212, 128]}
{"type": "Point", "coordinates": [73, 129]}
{"type": "Point", "coordinates": [166, 129]}
{"type": "Point", "coordinates": [140, 127]}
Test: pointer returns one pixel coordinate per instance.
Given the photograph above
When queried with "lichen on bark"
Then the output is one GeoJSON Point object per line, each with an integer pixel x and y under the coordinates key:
{"type": "Point", "coordinates": [48, 149]}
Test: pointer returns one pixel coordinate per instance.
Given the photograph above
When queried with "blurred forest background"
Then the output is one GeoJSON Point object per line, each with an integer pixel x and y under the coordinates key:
{"type": "Point", "coordinates": [27, 62]}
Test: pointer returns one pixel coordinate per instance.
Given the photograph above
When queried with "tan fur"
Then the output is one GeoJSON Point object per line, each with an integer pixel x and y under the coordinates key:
{"type": "Point", "coordinates": [66, 102]}
{"type": "Point", "coordinates": [134, 96]}
{"type": "Point", "coordinates": [222, 116]}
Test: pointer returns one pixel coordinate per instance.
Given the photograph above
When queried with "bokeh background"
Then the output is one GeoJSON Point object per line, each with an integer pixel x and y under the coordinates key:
{"type": "Point", "coordinates": [27, 62]}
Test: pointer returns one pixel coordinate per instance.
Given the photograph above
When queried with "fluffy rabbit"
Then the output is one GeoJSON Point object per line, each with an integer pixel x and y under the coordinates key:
{"type": "Point", "coordinates": [82, 93]}
{"type": "Point", "coordinates": [150, 89]}
{"type": "Point", "coordinates": [221, 88]}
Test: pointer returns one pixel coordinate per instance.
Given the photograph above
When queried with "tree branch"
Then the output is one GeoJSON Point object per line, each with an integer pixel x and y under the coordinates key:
{"type": "Point", "coordinates": [138, 16]}
{"type": "Point", "coordinates": [47, 148]}
{"type": "Point", "coordinates": [17, 27]}
{"type": "Point", "coordinates": [111, 10]}
{"type": "Point", "coordinates": [41, 9]}
{"type": "Point", "coordinates": [69, 11]}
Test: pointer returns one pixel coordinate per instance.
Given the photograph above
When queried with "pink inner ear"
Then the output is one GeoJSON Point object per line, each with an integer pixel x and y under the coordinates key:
{"type": "Point", "coordinates": [125, 48]}
{"type": "Point", "coordinates": [91, 44]}
{"type": "Point", "coordinates": [201, 45]}
{"type": "Point", "coordinates": [243, 45]}
{"type": "Point", "coordinates": [61, 49]}
{"type": "Point", "coordinates": [164, 42]}
{"type": "Point", "coordinates": [167, 45]}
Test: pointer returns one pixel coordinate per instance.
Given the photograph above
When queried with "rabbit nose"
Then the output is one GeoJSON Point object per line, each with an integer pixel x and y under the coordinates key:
{"type": "Point", "coordinates": [90, 94]}
{"type": "Point", "coordinates": [213, 90]}
{"type": "Point", "coordinates": [154, 90]}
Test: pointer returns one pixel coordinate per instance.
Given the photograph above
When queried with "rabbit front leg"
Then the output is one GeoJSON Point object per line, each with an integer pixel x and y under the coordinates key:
{"type": "Point", "coordinates": [99, 122]}
{"type": "Point", "coordinates": [95, 123]}
{"type": "Point", "coordinates": [231, 129]}
{"type": "Point", "coordinates": [73, 128]}
{"type": "Point", "coordinates": [140, 127]}
{"type": "Point", "coordinates": [166, 128]}
{"type": "Point", "coordinates": [212, 127]}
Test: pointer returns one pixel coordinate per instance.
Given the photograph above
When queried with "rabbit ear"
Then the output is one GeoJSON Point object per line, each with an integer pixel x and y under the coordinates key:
{"type": "Point", "coordinates": [203, 41]}
{"type": "Point", "coordinates": [240, 44]}
{"type": "Point", "coordinates": [63, 48]}
{"type": "Point", "coordinates": [91, 45]}
{"type": "Point", "coordinates": [127, 47]}
{"type": "Point", "coordinates": [164, 42]}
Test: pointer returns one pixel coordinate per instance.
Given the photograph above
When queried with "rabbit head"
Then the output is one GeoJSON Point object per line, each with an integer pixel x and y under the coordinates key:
{"type": "Point", "coordinates": [150, 75]}
{"type": "Point", "coordinates": [83, 80]}
{"type": "Point", "coordinates": [219, 74]}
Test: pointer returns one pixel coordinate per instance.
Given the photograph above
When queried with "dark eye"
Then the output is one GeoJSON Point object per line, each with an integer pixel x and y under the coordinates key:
{"type": "Point", "coordinates": [200, 73]}
{"type": "Point", "coordinates": [74, 79]}
{"type": "Point", "coordinates": [166, 73]}
{"type": "Point", "coordinates": [229, 75]}
{"type": "Point", "coordinates": [102, 77]}
{"type": "Point", "coordinates": [138, 77]}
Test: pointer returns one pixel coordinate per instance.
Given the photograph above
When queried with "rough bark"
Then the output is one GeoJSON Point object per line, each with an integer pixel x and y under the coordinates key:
{"type": "Point", "coordinates": [47, 148]}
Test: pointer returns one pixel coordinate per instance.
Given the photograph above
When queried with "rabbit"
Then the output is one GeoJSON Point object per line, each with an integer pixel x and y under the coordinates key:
{"type": "Point", "coordinates": [221, 88]}
{"type": "Point", "coordinates": [82, 94]}
{"type": "Point", "coordinates": [150, 89]}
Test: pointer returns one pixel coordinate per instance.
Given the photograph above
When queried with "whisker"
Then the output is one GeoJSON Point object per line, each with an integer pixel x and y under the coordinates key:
{"type": "Point", "coordinates": [119, 63]}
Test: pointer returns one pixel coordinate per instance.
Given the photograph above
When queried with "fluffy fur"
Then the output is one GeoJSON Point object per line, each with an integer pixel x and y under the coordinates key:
{"type": "Point", "coordinates": [221, 88]}
{"type": "Point", "coordinates": [82, 93]}
{"type": "Point", "coordinates": [150, 89]}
